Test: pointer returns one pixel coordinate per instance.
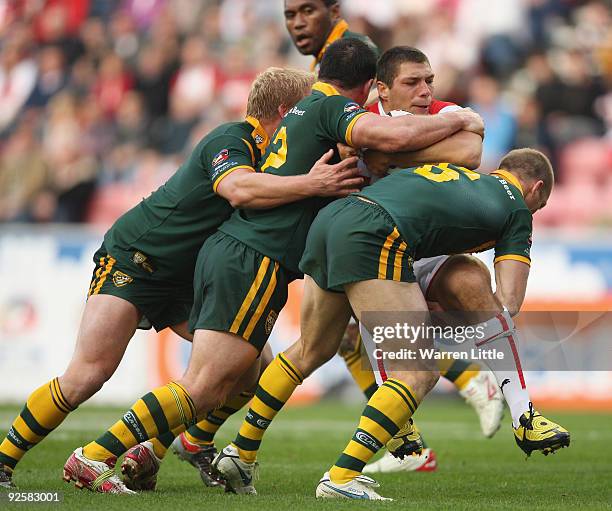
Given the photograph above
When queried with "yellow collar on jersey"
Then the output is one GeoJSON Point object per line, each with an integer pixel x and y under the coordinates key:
{"type": "Point", "coordinates": [336, 33]}
{"type": "Point", "coordinates": [326, 88]}
{"type": "Point", "coordinates": [259, 134]}
{"type": "Point", "coordinates": [510, 178]}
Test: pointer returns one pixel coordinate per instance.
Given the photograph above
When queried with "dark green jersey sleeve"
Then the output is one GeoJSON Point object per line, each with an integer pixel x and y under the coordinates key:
{"type": "Point", "coordinates": [224, 154]}
{"type": "Point", "coordinates": [338, 116]}
{"type": "Point", "coordinates": [515, 240]}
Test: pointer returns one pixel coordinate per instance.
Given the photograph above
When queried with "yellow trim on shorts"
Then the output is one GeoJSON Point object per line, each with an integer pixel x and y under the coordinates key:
{"type": "Point", "coordinates": [96, 276]}
{"type": "Point", "coordinates": [349, 129]}
{"type": "Point", "coordinates": [248, 300]}
{"type": "Point", "coordinates": [263, 303]}
{"type": "Point", "coordinates": [216, 183]}
{"type": "Point", "coordinates": [397, 262]}
{"type": "Point", "coordinates": [512, 257]}
{"type": "Point", "coordinates": [384, 253]}
{"type": "Point", "coordinates": [102, 277]}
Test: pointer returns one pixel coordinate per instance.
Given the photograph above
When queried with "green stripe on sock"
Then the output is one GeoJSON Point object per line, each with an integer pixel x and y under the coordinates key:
{"type": "Point", "coordinates": [111, 443]}
{"type": "Point", "coordinates": [17, 440]}
{"type": "Point", "coordinates": [268, 399]}
{"type": "Point", "coordinates": [408, 393]}
{"type": "Point", "coordinates": [7, 460]}
{"type": "Point", "coordinates": [369, 392]}
{"type": "Point", "coordinates": [255, 420]}
{"type": "Point", "coordinates": [246, 444]}
{"type": "Point", "coordinates": [157, 412]}
{"type": "Point", "coordinates": [350, 463]}
{"type": "Point", "coordinates": [32, 423]}
{"type": "Point", "coordinates": [368, 440]}
{"type": "Point", "coordinates": [456, 370]}
{"type": "Point", "coordinates": [200, 434]}
{"type": "Point", "coordinates": [166, 439]}
{"type": "Point", "coordinates": [132, 422]}
{"type": "Point", "coordinates": [381, 419]}
{"type": "Point", "coordinates": [214, 420]}
{"type": "Point", "coordinates": [400, 394]}
{"type": "Point", "coordinates": [289, 368]}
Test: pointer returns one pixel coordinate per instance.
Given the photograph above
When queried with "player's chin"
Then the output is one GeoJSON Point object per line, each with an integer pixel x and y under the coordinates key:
{"type": "Point", "coordinates": [304, 46]}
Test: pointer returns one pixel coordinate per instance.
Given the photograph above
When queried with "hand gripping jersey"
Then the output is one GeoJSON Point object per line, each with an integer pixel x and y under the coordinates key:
{"type": "Point", "coordinates": [315, 125]}
{"type": "Point", "coordinates": [162, 235]}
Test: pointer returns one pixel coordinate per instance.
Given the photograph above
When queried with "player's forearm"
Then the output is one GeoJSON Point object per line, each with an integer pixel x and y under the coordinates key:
{"type": "Point", "coordinates": [412, 133]}
{"type": "Point", "coordinates": [511, 284]}
{"type": "Point", "coordinates": [262, 191]}
{"type": "Point", "coordinates": [463, 148]}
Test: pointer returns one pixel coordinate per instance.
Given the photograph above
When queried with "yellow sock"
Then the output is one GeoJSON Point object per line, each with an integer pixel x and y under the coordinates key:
{"type": "Point", "coordinates": [156, 413]}
{"type": "Point", "coordinates": [276, 385]}
{"type": "Point", "coordinates": [162, 443]}
{"type": "Point", "coordinates": [203, 433]}
{"type": "Point", "coordinates": [45, 410]}
{"type": "Point", "coordinates": [355, 363]}
{"type": "Point", "coordinates": [386, 412]}
{"type": "Point", "coordinates": [459, 372]}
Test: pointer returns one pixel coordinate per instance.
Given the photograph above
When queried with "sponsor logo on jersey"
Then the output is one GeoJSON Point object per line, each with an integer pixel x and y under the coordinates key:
{"type": "Point", "coordinates": [296, 111]}
{"type": "Point", "coordinates": [507, 188]}
{"type": "Point", "coordinates": [351, 107]}
{"type": "Point", "coordinates": [270, 320]}
{"type": "Point", "coordinates": [121, 279]}
{"type": "Point", "coordinates": [366, 439]}
{"type": "Point", "coordinates": [221, 157]}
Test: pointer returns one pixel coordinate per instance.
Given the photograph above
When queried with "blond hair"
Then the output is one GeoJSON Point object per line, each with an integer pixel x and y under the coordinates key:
{"type": "Point", "coordinates": [277, 87]}
{"type": "Point", "coordinates": [530, 165]}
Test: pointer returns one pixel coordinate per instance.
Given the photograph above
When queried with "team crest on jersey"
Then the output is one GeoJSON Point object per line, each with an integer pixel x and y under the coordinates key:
{"type": "Point", "coordinates": [270, 320]}
{"type": "Point", "coordinates": [121, 279]}
{"type": "Point", "coordinates": [221, 157]}
{"type": "Point", "coordinates": [259, 139]}
{"type": "Point", "coordinates": [351, 107]}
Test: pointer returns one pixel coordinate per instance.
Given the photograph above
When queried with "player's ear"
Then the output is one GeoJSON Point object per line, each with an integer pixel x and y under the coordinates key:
{"type": "Point", "coordinates": [383, 90]}
{"type": "Point", "coordinates": [334, 10]}
{"type": "Point", "coordinates": [282, 110]}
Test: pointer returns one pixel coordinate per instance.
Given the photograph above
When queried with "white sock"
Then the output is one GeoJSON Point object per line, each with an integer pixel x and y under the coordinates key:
{"type": "Point", "coordinates": [508, 371]}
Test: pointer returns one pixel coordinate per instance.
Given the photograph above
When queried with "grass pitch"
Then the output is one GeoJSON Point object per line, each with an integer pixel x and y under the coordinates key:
{"type": "Point", "coordinates": [474, 473]}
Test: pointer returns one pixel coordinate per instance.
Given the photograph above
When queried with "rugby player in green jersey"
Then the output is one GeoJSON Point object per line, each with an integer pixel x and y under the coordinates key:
{"type": "Point", "coordinates": [144, 269]}
{"type": "Point", "coordinates": [405, 84]}
{"type": "Point", "coordinates": [315, 24]}
{"type": "Point", "coordinates": [243, 271]}
{"type": "Point", "coordinates": [359, 258]}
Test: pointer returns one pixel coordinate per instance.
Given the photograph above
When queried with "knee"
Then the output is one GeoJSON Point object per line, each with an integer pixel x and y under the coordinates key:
{"type": "Point", "coordinates": [209, 393]}
{"type": "Point", "coordinates": [80, 384]}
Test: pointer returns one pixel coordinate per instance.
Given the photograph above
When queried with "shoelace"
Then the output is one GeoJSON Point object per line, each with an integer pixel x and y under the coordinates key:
{"type": "Point", "coordinates": [529, 424]}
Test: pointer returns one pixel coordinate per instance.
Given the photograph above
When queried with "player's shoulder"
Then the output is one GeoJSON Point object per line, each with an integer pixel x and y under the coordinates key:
{"type": "Point", "coordinates": [439, 107]}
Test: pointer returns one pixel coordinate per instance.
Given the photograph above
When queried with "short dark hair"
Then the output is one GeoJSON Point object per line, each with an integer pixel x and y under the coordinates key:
{"type": "Point", "coordinates": [530, 165]}
{"type": "Point", "coordinates": [390, 61]}
{"type": "Point", "coordinates": [349, 63]}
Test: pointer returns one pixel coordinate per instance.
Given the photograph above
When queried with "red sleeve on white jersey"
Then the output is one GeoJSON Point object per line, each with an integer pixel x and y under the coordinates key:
{"type": "Point", "coordinates": [439, 107]}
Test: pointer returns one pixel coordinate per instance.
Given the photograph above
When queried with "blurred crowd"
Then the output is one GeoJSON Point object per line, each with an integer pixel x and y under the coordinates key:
{"type": "Point", "coordinates": [100, 100]}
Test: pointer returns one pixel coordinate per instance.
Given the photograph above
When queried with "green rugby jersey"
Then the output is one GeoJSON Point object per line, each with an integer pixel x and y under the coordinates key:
{"type": "Point", "coordinates": [341, 31]}
{"type": "Point", "coordinates": [311, 128]}
{"type": "Point", "coordinates": [163, 234]}
{"type": "Point", "coordinates": [445, 209]}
